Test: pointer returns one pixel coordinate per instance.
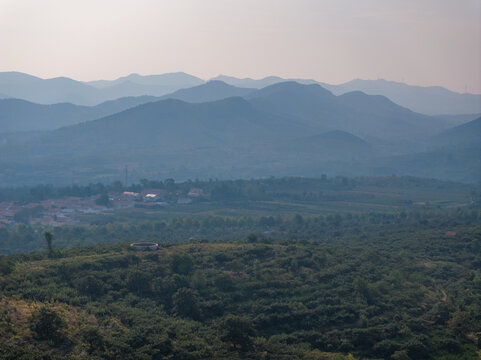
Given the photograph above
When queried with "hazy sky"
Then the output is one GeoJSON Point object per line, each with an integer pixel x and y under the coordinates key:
{"type": "Point", "coordinates": [421, 42]}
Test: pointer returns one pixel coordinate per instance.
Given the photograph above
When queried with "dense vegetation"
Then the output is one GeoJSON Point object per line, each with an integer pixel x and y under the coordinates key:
{"type": "Point", "coordinates": [371, 286]}
{"type": "Point", "coordinates": [331, 228]}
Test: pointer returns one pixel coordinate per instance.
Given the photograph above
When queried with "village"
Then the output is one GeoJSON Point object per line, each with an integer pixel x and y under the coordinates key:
{"type": "Point", "coordinates": [65, 211]}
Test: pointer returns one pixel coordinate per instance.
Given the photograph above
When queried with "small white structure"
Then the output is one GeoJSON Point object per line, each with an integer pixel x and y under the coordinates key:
{"type": "Point", "coordinates": [144, 246]}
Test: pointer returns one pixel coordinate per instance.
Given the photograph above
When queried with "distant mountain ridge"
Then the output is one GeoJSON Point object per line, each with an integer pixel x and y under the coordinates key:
{"type": "Point", "coordinates": [210, 91]}
{"type": "Point", "coordinates": [167, 125]}
{"type": "Point", "coordinates": [465, 134]}
{"type": "Point", "coordinates": [65, 90]}
{"type": "Point", "coordinates": [214, 129]}
{"type": "Point", "coordinates": [174, 80]}
{"type": "Point", "coordinates": [433, 100]}
{"type": "Point", "coordinates": [258, 83]}
{"type": "Point", "coordinates": [360, 114]}
{"type": "Point", "coordinates": [430, 100]}
{"type": "Point", "coordinates": [20, 115]}
{"type": "Point", "coordinates": [283, 129]}
{"type": "Point", "coordinates": [282, 110]}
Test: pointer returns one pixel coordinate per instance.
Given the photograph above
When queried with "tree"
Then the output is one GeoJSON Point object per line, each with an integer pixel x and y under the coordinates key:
{"type": "Point", "coordinates": [90, 286]}
{"type": "Point", "coordinates": [252, 238]}
{"type": "Point", "coordinates": [95, 340]}
{"type": "Point", "coordinates": [6, 265]}
{"type": "Point", "coordinates": [181, 264]}
{"type": "Point", "coordinates": [186, 303]}
{"type": "Point", "coordinates": [48, 239]}
{"type": "Point", "coordinates": [47, 324]}
{"type": "Point", "coordinates": [140, 283]}
{"type": "Point", "coordinates": [461, 322]}
{"type": "Point", "coordinates": [237, 331]}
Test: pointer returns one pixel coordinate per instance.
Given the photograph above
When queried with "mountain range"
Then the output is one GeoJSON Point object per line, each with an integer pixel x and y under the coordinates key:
{"type": "Point", "coordinates": [426, 100]}
{"type": "Point", "coordinates": [462, 135]}
{"type": "Point", "coordinates": [282, 129]}
{"type": "Point", "coordinates": [430, 100]}
{"type": "Point", "coordinates": [21, 115]}
{"type": "Point", "coordinates": [61, 89]}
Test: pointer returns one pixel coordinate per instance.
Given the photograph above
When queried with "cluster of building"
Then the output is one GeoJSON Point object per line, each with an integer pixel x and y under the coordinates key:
{"type": "Point", "coordinates": [64, 211]}
{"type": "Point", "coordinates": [55, 212]}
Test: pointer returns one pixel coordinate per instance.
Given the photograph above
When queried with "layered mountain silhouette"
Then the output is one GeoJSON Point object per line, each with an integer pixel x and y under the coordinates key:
{"type": "Point", "coordinates": [47, 91]}
{"type": "Point", "coordinates": [210, 91]}
{"type": "Point", "coordinates": [432, 100]}
{"type": "Point", "coordinates": [21, 115]}
{"type": "Point", "coordinates": [461, 135]}
{"type": "Point", "coordinates": [278, 111]}
{"type": "Point", "coordinates": [358, 113]}
{"type": "Point", "coordinates": [282, 129]}
{"type": "Point", "coordinates": [170, 125]}
{"type": "Point", "coordinates": [175, 81]}
{"type": "Point", "coordinates": [60, 90]}
{"type": "Point", "coordinates": [258, 83]}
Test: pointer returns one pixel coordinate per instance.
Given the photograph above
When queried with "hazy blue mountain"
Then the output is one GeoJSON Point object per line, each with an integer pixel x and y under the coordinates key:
{"type": "Point", "coordinates": [431, 100]}
{"type": "Point", "coordinates": [47, 91]}
{"type": "Point", "coordinates": [271, 131]}
{"type": "Point", "coordinates": [3, 96]}
{"type": "Point", "coordinates": [462, 135]}
{"type": "Point", "coordinates": [154, 85]}
{"type": "Point", "coordinates": [61, 90]}
{"type": "Point", "coordinates": [21, 115]}
{"type": "Point", "coordinates": [360, 114]}
{"type": "Point", "coordinates": [258, 83]}
{"type": "Point", "coordinates": [170, 125]}
{"type": "Point", "coordinates": [332, 145]}
{"type": "Point", "coordinates": [210, 91]}
{"type": "Point", "coordinates": [274, 113]}
{"type": "Point", "coordinates": [455, 120]}
{"type": "Point", "coordinates": [176, 81]}
{"type": "Point", "coordinates": [426, 100]}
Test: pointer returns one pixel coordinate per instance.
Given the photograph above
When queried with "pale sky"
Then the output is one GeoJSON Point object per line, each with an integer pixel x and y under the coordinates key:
{"type": "Point", "coordinates": [420, 42]}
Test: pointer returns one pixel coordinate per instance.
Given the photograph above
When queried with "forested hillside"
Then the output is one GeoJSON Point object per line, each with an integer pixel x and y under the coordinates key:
{"type": "Point", "coordinates": [405, 287]}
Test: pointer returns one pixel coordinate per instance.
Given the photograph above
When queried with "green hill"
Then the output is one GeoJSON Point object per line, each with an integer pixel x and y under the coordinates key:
{"type": "Point", "coordinates": [375, 288]}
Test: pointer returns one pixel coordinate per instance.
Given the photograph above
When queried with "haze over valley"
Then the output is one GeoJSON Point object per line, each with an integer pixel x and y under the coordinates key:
{"type": "Point", "coordinates": [287, 128]}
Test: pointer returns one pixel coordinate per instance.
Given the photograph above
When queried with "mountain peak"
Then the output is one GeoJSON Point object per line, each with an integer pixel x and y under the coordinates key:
{"type": "Point", "coordinates": [210, 91]}
{"type": "Point", "coordinates": [293, 88]}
